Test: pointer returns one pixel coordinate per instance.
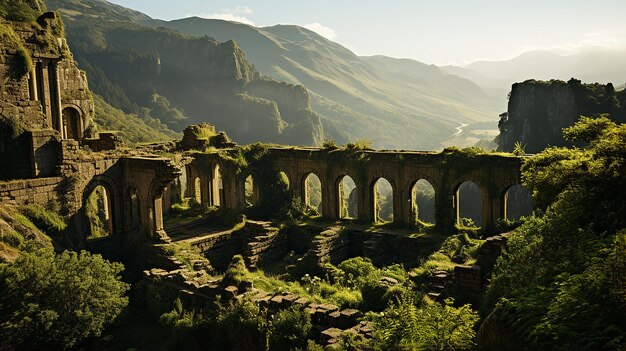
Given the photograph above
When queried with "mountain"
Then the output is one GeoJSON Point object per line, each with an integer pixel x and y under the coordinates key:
{"type": "Point", "coordinates": [396, 102]}
{"type": "Point", "coordinates": [417, 106]}
{"type": "Point", "coordinates": [182, 79]}
{"type": "Point", "coordinates": [594, 65]}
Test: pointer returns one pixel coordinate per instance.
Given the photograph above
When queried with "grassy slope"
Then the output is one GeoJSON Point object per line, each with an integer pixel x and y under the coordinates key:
{"type": "Point", "coordinates": [363, 97]}
{"type": "Point", "coordinates": [135, 129]}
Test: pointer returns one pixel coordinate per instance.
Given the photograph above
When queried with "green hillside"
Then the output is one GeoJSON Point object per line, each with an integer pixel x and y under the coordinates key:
{"type": "Point", "coordinates": [403, 103]}
{"type": "Point", "coordinates": [134, 129]}
{"type": "Point", "coordinates": [181, 79]}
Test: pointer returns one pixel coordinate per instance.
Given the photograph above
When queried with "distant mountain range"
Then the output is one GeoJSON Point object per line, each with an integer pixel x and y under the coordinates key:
{"type": "Point", "coordinates": [591, 66]}
{"type": "Point", "coordinates": [397, 103]}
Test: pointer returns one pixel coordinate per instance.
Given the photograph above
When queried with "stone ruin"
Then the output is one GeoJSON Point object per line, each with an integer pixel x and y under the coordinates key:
{"type": "Point", "coordinates": [47, 157]}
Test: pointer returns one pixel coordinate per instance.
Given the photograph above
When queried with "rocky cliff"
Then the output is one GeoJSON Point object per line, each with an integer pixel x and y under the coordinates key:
{"type": "Point", "coordinates": [182, 79]}
{"type": "Point", "coordinates": [539, 110]}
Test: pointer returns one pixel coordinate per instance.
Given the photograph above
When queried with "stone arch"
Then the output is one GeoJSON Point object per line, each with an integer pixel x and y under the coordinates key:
{"type": "Point", "coordinates": [217, 187]}
{"type": "Point", "coordinates": [516, 201]}
{"type": "Point", "coordinates": [112, 203]}
{"type": "Point", "coordinates": [466, 205]}
{"type": "Point", "coordinates": [251, 191]}
{"type": "Point", "coordinates": [347, 197]}
{"type": "Point", "coordinates": [423, 201]}
{"type": "Point", "coordinates": [381, 195]}
{"type": "Point", "coordinates": [73, 125]}
{"type": "Point", "coordinates": [312, 191]}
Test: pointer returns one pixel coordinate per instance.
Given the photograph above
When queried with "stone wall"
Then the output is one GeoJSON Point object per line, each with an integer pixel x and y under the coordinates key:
{"type": "Point", "coordinates": [36, 98]}
{"type": "Point", "coordinates": [39, 191]}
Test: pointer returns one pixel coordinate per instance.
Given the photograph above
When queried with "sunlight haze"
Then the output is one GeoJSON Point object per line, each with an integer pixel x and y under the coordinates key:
{"type": "Point", "coordinates": [441, 32]}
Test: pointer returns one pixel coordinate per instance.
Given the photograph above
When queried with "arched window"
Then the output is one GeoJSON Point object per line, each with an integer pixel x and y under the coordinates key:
{"type": "Point", "coordinates": [250, 194]}
{"type": "Point", "coordinates": [72, 126]}
{"type": "Point", "coordinates": [423, 201]}
{"type": "Point", "coordinates": [348, 208]}
{"type": "Point", "coordinates": [469, 202]}
{"type": "Point", "coordinates": [313, 192]}
{"type": "Point", "coordinates": [99, 213]}
{"type": "Point", "coordinates": [517, 202]}
{"type": "Point", "coordinates": [218, 187]}
{"type": "Point", "coordinates": [383, 201]}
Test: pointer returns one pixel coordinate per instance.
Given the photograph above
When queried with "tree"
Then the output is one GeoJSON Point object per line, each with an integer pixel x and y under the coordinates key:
{"type": "Point", "coordinates": [407, 326]}
{"type": "Point", "coordinates": [53, 301]}
{"type": "Point", "coordinates": [289, 329]}
{"type": "Point", "coordinates": [560, 282]}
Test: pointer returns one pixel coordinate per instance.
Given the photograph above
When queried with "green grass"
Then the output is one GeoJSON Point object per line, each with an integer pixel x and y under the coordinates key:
{"type": "Point", "coordinates": [50, 222]}
{"type": "Point", "coordinates": [135, 129]}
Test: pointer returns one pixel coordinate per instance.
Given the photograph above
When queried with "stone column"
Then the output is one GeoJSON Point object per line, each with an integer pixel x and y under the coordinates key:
{"type": "Point", "coordinates": [32, 86]}
{"type": "Point", "coordinates": [215, 187]}
{"type": "Point", "coordinates": [231, 193]}
{"type": "Point", "coordinates": [446, 209]}
{"type": "Point", "coordinates": [494, 208]}
{"type": "Point", "coordinates": [330, 199]}
{"type": "Point", "coordinates": [365, 201]}
{"type": "Point", "coordinates": [205, 186]}
{"type": "Point", "coordinates": [399, 206]}
{"type": "Point", "coordinates": [296, 186]}
{"type": "Point", "coordinates": [45, 97]}
{"type": "Point", "coordinates": [55, 96]}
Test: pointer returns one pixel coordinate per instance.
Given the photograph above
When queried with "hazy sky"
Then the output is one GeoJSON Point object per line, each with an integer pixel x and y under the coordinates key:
{"type": "Point", "coordinates": [435, 31]}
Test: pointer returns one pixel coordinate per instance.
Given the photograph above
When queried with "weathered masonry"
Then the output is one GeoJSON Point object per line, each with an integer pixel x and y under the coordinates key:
{"type": "Point", "coordinates": [221, 184]}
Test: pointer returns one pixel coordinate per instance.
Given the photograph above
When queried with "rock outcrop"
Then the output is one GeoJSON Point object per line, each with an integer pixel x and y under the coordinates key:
{"type": "Point", "coordinates": [538, 111]}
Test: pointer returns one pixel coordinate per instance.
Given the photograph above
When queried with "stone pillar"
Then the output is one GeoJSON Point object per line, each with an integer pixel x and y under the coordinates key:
{"type": "Point", "coordinates": [45, 97]}
{"type": "Point", "coordinates": [493, 209]}
{"type": "Point", "coordinates": [406, 207]}
{"type": "Point", "coordinates": [398, 208]}
{"type": "Point", "coordinates": [330, 199]}
{"type": "Point", "coordinates": [231, 192]}
{"type": "Point", "coordinates": [189, 191]}
{"type": "Point", "coordinates": [215, 186]}
{"type": "Point", "coordinates": [157, 208]}
{"type": "Point", "coordinates": [365, 202]}
{"type": "Point", "coordinates": [32, 84]}
{"type": "Point", "coordinates": [296, 186]}
{"type": "Point", "coordinates": [55, 102]}
{"type": "Point", "coordinates": [205, 189]}
{"type": "Point", "coordinates": [446, 209]}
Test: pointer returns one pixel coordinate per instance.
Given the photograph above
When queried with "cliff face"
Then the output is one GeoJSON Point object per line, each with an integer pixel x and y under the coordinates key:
{"type": "Point", "coordinates": [538, 111]}
{"type": "Point", "coordinates": [184, 80]}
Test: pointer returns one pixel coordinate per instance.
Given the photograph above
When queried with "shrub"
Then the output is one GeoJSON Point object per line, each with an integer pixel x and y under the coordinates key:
{"type": "Point", "coordinates": [53, 301]}
{"type": "Point", "coordinates": [347, 298]}
{"type": "Point", "coordinates": [242, 325]}
{"type": "Point", "coordinates": [50, 222]}
{"type": "Point", "coordinates": [410, 325]}
{"type": "Point", "coordinates": [289, 329]}
{"type": "Point", "coordinates": [12, 238]}
{"type": "Point", "coordinates": [237, 270]}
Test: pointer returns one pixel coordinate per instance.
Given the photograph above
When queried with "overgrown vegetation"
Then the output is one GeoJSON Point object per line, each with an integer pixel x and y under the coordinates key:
{"type": "Point", "coordinates": [49, 221]}
{"type": "Point", "coordinates": [21, 10]}
{"type": "Point", "coordinates": [419, 324]}
{"type": "Point", "coordinates": [135, 129]}
{"type": "Point", "coordinates": [14, 44]}
{"type": "Point", "coordinates": [560, 283]}
{"type": "Point", "coordinates": [53, 301]}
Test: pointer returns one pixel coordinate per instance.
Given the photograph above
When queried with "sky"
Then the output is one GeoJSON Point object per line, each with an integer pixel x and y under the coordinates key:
{"type": "Point", "coordinates": [438, 32]}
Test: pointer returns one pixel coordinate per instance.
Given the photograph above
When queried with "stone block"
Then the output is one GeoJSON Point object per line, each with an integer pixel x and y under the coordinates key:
{"type": "Point", "coordinates": [348, 318]}
{"type": "Point", "coordinates": [230, 292]}
{"type": "Point", "coordinates": [330, 333]}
